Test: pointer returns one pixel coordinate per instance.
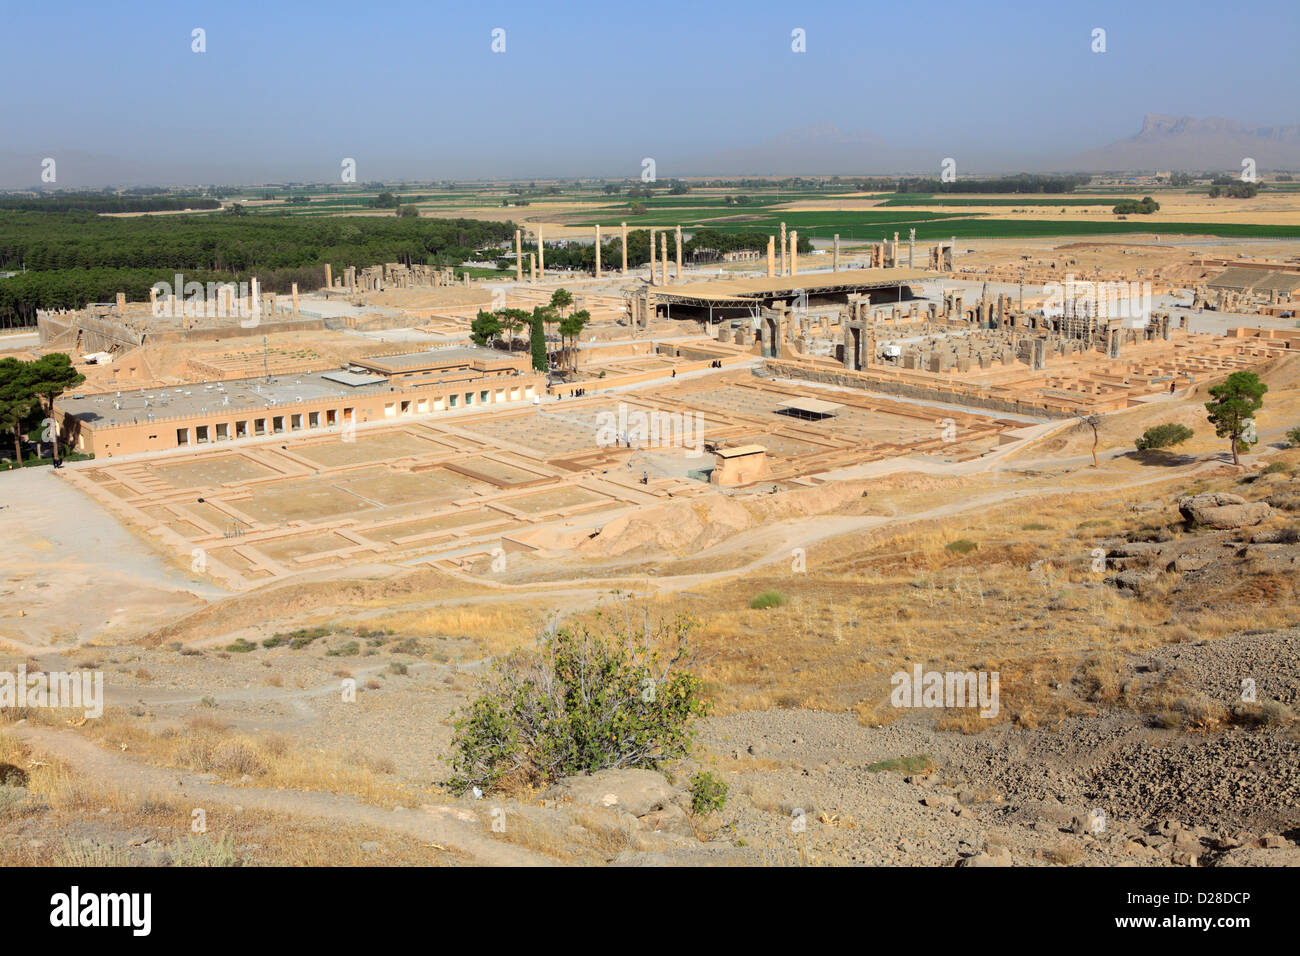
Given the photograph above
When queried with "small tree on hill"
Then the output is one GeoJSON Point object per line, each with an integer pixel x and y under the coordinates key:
{"type": "Point", "coordinates": [1233, 409]}
{"type": "Point", "coordinates": [1093, 422]}
{"type": "Point", "coordinates": [1163, 436]}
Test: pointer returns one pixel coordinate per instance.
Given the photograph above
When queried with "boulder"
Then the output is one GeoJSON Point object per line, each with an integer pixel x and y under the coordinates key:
{"type": "Point", "coordinates": [1223, 511]}
{"type": "Point", "coordinates": [671, 819]}
{"type": "Point", "coordinates": [637, 792]}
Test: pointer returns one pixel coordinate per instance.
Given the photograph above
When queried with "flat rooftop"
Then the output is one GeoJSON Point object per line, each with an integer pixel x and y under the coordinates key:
{"type": "Point", "coordinates": [248, 394]}
{"type": "Point", "coordinates": [453, 356]}
{"type": "Point", "coordinates": [740, 451]}
{"type": "Point", "coordinates": [811, 406]}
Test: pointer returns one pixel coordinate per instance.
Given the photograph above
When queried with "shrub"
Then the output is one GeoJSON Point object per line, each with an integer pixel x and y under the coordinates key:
{"type": "Point", "coordinates": [236, 758]}
{"type": "Point", "coordinates": [1293, 436]}
{"type": "Point", "coordinates": [586, 700]}
{"type": "Point", "coordinates": [767, 599]}
{"type": "Point", "coordinates": [241, 646]}
{"type": "Point", "coordinates": [195, 850]}
{"type": "Point", "coordinates": [1163, 436]}
{"type": "Point", "coordinates": [1266, 713]}
{"type": "Point", "coordinates": [919, 763]}
{"type": "Point", "coordinates": [708, 793]}
{"type": "Point", "coordinates": [1284, 500]}
{"type": "Point", "coordinates": [961, 546]}
{"type": "Point", "coordinates": [350, 649]}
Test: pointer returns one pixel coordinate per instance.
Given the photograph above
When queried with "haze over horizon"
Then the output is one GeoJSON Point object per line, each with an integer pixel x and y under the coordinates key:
{"type": "Point", "coordinates": [415, 92]}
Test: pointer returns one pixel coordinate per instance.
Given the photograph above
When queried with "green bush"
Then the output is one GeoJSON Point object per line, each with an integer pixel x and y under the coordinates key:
{"type": "Point", "coordinates": [1163, 436]}
{"type": "Point", "coordinates": [241, 646]}
{"type": "Point", "coordinates": [767, 599]}
{"type": "Point", "coordinates": [961, 546]}
{"type": "Point", "coordinates": [1293, 436]}
{"type": "Point", "coordinates": [586, 700]}
{"type": "Point", "coordinates": [708, 793]}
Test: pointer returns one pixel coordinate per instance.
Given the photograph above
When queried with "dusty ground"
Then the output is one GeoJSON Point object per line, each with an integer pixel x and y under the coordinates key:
{"type": "Point", "coordinates": [1120, 687]}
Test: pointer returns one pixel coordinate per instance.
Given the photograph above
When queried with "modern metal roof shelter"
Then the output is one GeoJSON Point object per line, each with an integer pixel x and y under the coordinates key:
{"type": "Point", "coordinates": [813, 408]}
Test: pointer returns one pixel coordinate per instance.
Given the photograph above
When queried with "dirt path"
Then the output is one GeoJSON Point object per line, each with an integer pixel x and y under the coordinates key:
{"type": "Point", "coordinates": [444, 824]}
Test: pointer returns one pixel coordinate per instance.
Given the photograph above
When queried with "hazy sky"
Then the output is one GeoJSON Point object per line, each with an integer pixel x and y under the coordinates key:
{"type": "Point", "coordinates": [286, 89]}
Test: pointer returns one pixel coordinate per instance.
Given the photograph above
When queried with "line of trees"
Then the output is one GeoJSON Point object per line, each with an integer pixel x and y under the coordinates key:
{"type": "Point", "coordinates": [105, 203]}
{"type": "Point", "coordinates": [1143, 207]}
{"type": "Point", "coordinates": [499, 329]}
{"type": "Point", "coordinates": [1022, 183]}
{"type": "Point", "coordinates": [74, 258]}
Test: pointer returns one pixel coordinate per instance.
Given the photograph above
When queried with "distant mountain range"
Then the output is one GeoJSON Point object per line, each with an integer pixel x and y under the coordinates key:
{"type": "Point", "coordinates": [1163, 143]}
{"type": "Point", "coordinates": [1184, 142]}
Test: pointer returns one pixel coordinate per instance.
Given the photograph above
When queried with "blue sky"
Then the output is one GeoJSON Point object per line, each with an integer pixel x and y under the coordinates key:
{"type": "Point", "coordinates": [287, 89]}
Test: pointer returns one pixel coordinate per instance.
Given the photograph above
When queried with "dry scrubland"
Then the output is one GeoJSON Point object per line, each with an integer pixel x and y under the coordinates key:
{"type": "Point", "coordinates": [1118, 687]}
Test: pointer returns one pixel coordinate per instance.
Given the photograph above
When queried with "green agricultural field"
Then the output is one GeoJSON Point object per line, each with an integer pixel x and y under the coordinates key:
{"type": "Point", "coordinates": [1047, 201]}
{"type": "Point", "coordinates": [867, 225]}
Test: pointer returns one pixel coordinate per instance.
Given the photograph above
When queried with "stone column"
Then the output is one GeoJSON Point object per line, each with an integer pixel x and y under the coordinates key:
{"type": "Point", "coordinates": [663, 258]}
{"type": "Point", "coordinates": [541, 254]}
{"type": "Point", "coordinates": [519, 256]}
{"type": "Point", "coordinates": [597, 250]}
{"type": "Point", "coordinates": [771, 256]}
{"type": "Point", "coordinates": [783, 251]}
{"type": "Point", "coordinates": [653, 256]}
{"type": "Point", "coordinates": [329, 277]}
{"type": "Point", "coordinates": [153, 301]}
{"type": "Point", "coordinates": [794, 253]}
{"type": "Point", "coordinates": [532, 266]}
{"type": "Point", "coordinates": [624, 248]}
{"type": "Point", "coordinates": [294, 289]}
{"type": "Point", "coordinates": [835, 257]}
{"type": "Point", "coordinates": [254, 297]}
{"type": "Point", "coordinates": [911, 248]}
{"type": "Point", "coordinates": [679, 253]}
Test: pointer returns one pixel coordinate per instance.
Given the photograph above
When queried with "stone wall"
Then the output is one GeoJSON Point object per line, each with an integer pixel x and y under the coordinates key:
{"type": "Point", "coordinates": [778, 369]}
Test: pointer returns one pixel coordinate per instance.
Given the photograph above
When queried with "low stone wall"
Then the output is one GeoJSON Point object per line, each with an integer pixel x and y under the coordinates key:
{"type": "Point", "coordinates": [778, 369]}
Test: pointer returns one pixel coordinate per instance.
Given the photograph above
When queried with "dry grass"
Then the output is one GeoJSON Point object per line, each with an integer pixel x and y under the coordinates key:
{"type": "Point", "coordinates": [207, 745]}
{"type": "Point", "coordinates": [489, 630]}
{"type": "Point", "coordinates": [65, 799]}
{"type": "Point", "coordinates": [874, 604]}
